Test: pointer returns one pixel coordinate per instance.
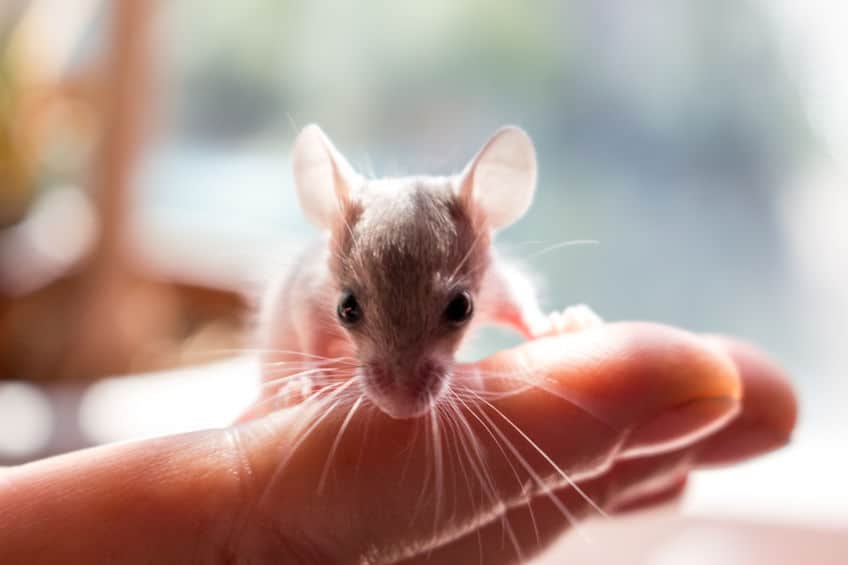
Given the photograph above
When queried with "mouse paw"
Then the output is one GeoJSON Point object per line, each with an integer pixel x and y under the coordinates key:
{"type": "Point", "coordinates": [295, 390]}
{"type": "Point", "coordinates": [572, 319]}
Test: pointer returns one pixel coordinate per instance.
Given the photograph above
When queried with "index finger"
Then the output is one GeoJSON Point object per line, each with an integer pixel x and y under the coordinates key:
{"type": "Point", "coordinates": [676, 385]}
{"type": "Point", "coordinates": [649, 387]}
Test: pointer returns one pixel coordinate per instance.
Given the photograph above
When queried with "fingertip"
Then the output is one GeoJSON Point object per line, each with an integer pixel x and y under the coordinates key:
{"type": "Point", "coordinates": [769, 393]}
{"type": "Point", "coordinates": [769, 412]}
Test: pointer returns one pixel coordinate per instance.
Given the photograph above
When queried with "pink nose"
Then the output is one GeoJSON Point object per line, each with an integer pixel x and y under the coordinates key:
{"type": "Point", "coordinates": [404, 391]}
{"type": "Point", "coordinates": [416, 379]}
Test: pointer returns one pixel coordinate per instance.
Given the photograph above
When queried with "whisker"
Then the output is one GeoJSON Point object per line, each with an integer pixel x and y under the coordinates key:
{"type": "Point", "coordinates": [308, 364]}
{"type": "Point", "coordinates": [506, 457]}
{"type": "Point", "coordinates": [529, 379]}
{"type": "Point", "coordinates": [324, 389]}
{"type": "Point", "coordinates": [561, 245]}
{"type": "Point", "coordinates": [547, 458]}
{"type": "Point", "coordinates": [410, 450]}
{"type": "Point", "coordinates": [292, 377]}
{"type": "Point", "coordinates": [438, 463]}
{"type": "Point", "coordinates": [429, 470]}
{"type": "Point", "coordinates": [305, 432]}
{"type": "Point", "coordinates": [318, 373]}
{"type": "Point", "coordinates": [260, 350]}
{"type": "Point", "coordinates": [335, 445]}
{"type": "Point", "coordinates": [365, 432]}
{"type": "Point", "coordinates": [452, 445]}
{"type": "Point", "coordinates": [486, 482]}
{"type": "Point", "coordinates": [544, 488]}
{"type": "Point", "coordinates": [467, 254]}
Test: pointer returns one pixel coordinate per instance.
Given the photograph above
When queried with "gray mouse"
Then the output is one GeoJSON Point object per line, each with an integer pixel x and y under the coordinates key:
{"type": "Point", "coordinates": [405, 270]}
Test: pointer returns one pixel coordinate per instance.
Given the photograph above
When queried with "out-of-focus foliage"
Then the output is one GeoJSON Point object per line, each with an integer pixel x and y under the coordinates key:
{"type": "Point", "coordinates": [15, 171]}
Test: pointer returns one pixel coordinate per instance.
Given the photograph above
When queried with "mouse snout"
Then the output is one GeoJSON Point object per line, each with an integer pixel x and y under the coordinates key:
{"type": "Point", "coordinates": [405, 390]}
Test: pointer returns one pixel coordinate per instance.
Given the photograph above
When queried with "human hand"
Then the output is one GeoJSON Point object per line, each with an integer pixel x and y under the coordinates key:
{"type": "Point", "coordinates": [625, 410]}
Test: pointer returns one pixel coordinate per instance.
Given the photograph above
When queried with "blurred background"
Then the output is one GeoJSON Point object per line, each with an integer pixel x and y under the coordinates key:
{"type": "Point", "coordinates": [145, 194]}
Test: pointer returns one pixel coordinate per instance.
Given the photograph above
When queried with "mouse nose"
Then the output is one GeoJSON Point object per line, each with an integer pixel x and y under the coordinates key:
{"type": "Point", "coordinates": [406, 389]}
{"type": "Point", "coordinates": [427, 374]}
{"type": "Point", "coordinates": [412, 376]}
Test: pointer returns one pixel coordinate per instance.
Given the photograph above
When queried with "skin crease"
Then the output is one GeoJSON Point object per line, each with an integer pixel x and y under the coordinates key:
{"type": "Point", "coordinates": [665, 402]}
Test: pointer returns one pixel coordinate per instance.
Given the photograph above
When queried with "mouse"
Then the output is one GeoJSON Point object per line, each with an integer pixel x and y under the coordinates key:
{"type": "Point", "coordinates": [404, 271]}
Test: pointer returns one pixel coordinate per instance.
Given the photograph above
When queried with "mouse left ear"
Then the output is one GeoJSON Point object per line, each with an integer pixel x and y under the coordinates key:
{"type": "Point", "coordinates": [501, 178]}
{"type": "Point", "coordinates": [322, 177]}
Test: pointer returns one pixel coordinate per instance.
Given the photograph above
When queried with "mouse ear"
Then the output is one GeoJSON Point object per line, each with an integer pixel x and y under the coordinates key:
{"type": "Point", "coordinates": [322, 177]}
{"type": "Point", "coordinates": [501, 178]}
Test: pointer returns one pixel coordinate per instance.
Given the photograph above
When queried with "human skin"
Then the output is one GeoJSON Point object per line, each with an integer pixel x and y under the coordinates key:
{"type": "Point", "coordinates": [657, 402]}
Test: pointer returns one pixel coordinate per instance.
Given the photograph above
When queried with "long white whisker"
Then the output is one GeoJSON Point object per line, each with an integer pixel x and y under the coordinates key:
{"type": "Point", "coordinates": [260, 350]}
{"type": "Point", "coordinates": [303, 435]}
{"type": "Point", "coordinates": [410, 450]}
{"type": "Point", "coordinates": [328, 376]}
{"type": "Point", "coordinates": [336, 441]}
{"type": "Point", "coordinates": [277, 398]}
{"type": "Point", "coordinates": [428, 476]}
{"type": "Point", "coordinates": [547, 458]}
{"type": "Point", "coordinates": [364, 434]}
{"type": "Point", "coordinates": [561, 245]}
{"type": "Point", "coordinates": [506, 458]}
{"type": "Point", "coordinates": [332, 396]}
{"type": "Point", "coordinates": [487, 484]}
{"type": "Point", "coordinates": [467, 254]}
{"type": "Point", "coordinates": [438, 462]}
{"type": "Point", "coordinates": [529, 379]}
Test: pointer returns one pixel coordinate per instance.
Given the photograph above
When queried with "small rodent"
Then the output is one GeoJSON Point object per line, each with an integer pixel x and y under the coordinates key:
{"type": "Point", "coordinates": [405, 269]}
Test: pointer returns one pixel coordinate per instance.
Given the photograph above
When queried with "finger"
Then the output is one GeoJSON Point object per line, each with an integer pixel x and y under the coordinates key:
{"type": "Point", "coordinates": [624, 373]}
{"type": "Point", "coordinates": [517, 535]}
{"type": "Point", "coordinates": [765, 422]}
{"type": "Point", "coordinates": [526, 530]}
{"type": "Point", "coordinates": [769, 409]}
{"type": "Point", "coordinates": [635, 484]}
{"type": "Point", "coordinates": [393, 486]}
{"type": "Point", "coordinates": [250, 491]}
{"type": "Point", "coordinates": [104, 505]}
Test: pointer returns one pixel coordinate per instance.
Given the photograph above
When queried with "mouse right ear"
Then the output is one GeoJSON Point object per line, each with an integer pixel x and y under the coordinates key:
{"type": "Point", "coordinates": [322, 177]}
{"type": "Point", "coordinates": [501, 178]}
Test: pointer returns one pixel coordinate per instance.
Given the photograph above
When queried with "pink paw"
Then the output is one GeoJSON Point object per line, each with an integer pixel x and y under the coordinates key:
{"type": "Point", "coordinates": [572, 319]}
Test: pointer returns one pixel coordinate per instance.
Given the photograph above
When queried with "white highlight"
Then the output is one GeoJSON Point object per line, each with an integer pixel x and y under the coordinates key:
{"type": "Point", "coordinates": [26, 419]}
{"type": "Point", "coordinates": [156, 404]}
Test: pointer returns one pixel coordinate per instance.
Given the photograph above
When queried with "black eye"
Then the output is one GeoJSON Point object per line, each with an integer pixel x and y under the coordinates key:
{"type": "Point", "coordinates": [349, 311]}
{"type": "Point", "coordinates": [459, 309]}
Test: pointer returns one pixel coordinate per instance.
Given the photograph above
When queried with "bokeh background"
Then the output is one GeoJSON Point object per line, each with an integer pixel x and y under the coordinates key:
{"type": "Point", "coordinates": [145, 194]}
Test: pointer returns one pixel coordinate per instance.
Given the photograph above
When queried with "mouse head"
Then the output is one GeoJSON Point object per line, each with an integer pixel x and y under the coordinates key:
{"type": "Point", "coordinates": [409, 256]}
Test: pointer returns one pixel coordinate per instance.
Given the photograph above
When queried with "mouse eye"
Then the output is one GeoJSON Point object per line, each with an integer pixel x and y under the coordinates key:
{"type": "Point", "coordinates": [459, 309]}
{"type": "Point", "coordinates": [349, 311]}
